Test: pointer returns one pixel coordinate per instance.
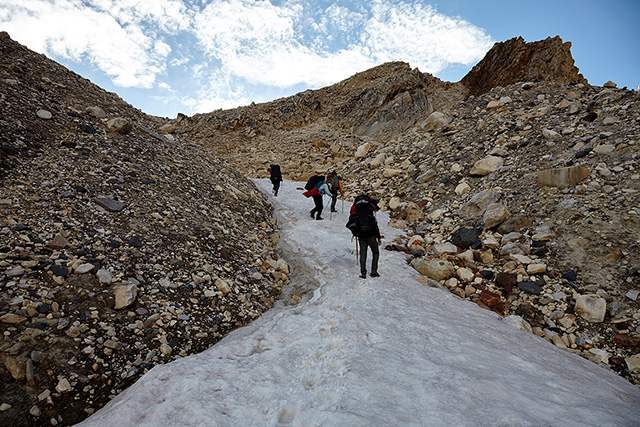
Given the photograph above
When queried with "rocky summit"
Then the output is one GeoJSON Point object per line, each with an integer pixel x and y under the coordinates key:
{"type": "Point", "coordinates": [128, 240]}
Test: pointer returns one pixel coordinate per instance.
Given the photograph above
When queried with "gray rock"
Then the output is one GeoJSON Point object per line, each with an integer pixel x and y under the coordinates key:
{"type": "Point", "coordinates": [96, 112]}
{"type": "Point", "coordinates": [591, 308]}
{"type": "Point", "coordinates": [125, 295]}
{"type": "Point", "coordinates": [44, 114]}
{"type": "Point", "coordinates": [119, 125]}
{"type": "Point", "coordinates": [478, 204]}
{"type": "Point", "coordinates": [104, 276]}
{"type": "Point", "coordinates": [486, 166]}
{"type": "Point", "coordinates": [494, 215]}
{"type": "Point", "coordinates": [633, 294]}
{"type": "Point", "coordinates": [518, 322]}
{"type": "Point", "coordinates": [530, 287]}
{"type": "Point", "coordinates": [109, 204]}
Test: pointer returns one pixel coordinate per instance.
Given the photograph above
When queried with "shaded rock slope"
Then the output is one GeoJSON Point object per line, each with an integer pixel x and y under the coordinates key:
{"type": "Point", "coordinates": [119, 248]}
{"type": "Point", "coordinates": [517, 187]}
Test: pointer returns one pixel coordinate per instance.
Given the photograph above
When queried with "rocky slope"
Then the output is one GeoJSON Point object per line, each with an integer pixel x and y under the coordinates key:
{"type": "Point", "coordinates": [523, 199]}
{"type": "Point", "coordinates": [120, 248]}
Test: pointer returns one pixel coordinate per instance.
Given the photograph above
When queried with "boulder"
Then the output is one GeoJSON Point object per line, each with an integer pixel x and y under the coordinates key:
{"type": "Point", "coordinates": [478, 204]}
{"type": "Point", "coordinates": [119, 125]}
{"type": "Point", "coordinates": [486, 166]}
{"type": "Point", "coordinates": [363, 150]}
{"type": "Point", "coordinates": [467, 237]}
{"type": "Point", "coordinates": [518, 322]}
{"type": "Point", "coordinates": [96, 112]}
{"type": "Point", "coordinates": [125, 295]}
{"type": "Point", "coordinates": [436, 269]}
{"type": "Point", "coordinates": [495, 214]}
{"type": "Point", "coordinates": [435, 121]}
{"type": "Point", "coordinates": [591, 308]}
{"type": "Point", "coordinates": [563, 177]}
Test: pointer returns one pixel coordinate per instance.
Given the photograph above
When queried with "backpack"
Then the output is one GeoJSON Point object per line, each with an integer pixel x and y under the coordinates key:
{"type": "Point", "coordinates": [313, 182]}
{"type": "Point", "coordinates": [362, 221]}
{"type": "Point", "coordinates": [332, 182]}
{"type": "Point", "coordinates": [276, 175]}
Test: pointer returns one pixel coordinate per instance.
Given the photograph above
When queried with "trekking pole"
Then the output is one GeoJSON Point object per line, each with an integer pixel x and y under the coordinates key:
{"type": "Point", "coordinates": [356, 251]}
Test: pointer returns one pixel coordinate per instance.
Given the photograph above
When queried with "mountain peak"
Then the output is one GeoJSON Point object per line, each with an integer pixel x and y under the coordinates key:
{"type": "Point", "coordinates": [517, 61]}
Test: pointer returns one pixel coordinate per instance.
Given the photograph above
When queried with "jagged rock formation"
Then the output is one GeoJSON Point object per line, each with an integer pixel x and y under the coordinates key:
{"type": "Point", "coordinates": [120, 248]}
{"type": "Point", "coordinates": [124, 242]}
{"type": "Point", "coordinates": [515, 61]}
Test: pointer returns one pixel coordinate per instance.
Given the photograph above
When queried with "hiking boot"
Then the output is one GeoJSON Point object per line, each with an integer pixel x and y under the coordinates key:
{"type": "Point", "coordinates": [319, 219]}
{"type": "Point", "coordinates": [312, 216]}
{"type": "Point", "coordinates": [333, 210]}
{"type": "Point", "coordinates": [374, 274]}
{"type": "Point", "coordinates": [363, 275]}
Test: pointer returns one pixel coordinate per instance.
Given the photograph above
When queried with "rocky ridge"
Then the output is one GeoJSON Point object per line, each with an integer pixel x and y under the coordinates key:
{"type": "Point", "coordinates": [121, 247]}
{"type": "Point", "coordinates": [517, 61]}
{"type": "Point", "coordinates": [523, 199]}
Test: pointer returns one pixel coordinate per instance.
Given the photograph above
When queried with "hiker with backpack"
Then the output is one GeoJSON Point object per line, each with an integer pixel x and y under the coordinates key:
{"type": "Point", "coordinates": [316, 187]}
{"type": "Point", "coordinates": [276, 178]}
{"type": "Point", "coordinates": [334, 182]}
{"type": "Point", "coordinates": [363, 225]}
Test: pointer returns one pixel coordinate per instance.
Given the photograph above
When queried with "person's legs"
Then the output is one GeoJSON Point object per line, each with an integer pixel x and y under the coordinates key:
{"type": "Point", "coordinates": [363, 256]}
{"type": "Point", "coordinates": [276, 187]}
{"type": "Point", "coordinates": [318, 209]}
{"type": "Point", "coordinates": [334, 199]}
{"type": "Point", "coordinates": [375, 255]}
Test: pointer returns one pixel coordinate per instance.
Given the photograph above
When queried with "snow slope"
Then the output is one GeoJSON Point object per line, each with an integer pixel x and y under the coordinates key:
{"type": "Point", "coordinates": [385, 351]}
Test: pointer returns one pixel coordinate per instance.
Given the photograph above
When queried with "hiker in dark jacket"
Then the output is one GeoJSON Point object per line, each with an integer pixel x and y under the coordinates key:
{"type": "Point", "coordinates": [335, 186]}
{"type": "Point", "coordinates": [276, 178]}
{"type": "Point", "coordinates": [362, 223]}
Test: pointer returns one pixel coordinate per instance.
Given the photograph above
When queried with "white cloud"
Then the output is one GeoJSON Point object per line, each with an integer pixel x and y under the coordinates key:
{"type": "Point", "coordinates": [261, 42]}
{"type": "Point", "coordinates": [421, 35]}
{"type": "Point", "coordinates": [247, 44]}
{"type": "Point", "coordinates": [176, 62]}
{"type": "Point", "coordinates": [73, 30]}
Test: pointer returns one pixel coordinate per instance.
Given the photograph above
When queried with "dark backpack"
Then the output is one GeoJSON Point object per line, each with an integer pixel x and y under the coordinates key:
{"type": "Point", "coordinates": [362, 221]}
{"type": "Point", "coordinates": [276, 175]}
{"type": "Point", "coordinates": [313, 182]}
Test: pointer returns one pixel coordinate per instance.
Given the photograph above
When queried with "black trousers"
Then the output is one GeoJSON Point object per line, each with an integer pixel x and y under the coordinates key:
{"type": "Point", "coordinates": [334, 199]}
{"type": "Point", "coordinates": [317, 200]}
{"type": "Point", "coordinates": [276, 187]}
{"type": "Point", "coordinates": [365, 243]}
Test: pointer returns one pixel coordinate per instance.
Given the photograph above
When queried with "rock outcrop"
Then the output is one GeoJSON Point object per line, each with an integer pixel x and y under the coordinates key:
{"type": "Point", "coordinates": [515, 61]}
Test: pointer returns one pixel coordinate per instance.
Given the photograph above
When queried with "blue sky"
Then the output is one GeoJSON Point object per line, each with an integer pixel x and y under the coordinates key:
{"type": "Point", "coordinates": [189, 56]}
